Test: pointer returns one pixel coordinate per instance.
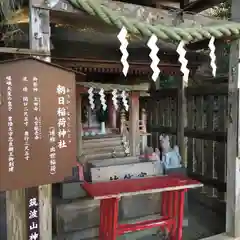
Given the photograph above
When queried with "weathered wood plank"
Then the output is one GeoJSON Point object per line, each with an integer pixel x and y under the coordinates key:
{"type": "Point", "coordinates": [218, 136]}
{"type": "Point", "coordinates": [134, 134]}
{"type": "Point", "coordinates": [209, 145]}
{"type": "Point", "coordinates": [124, 171]}
{"type": "Point", "coordinates": [16, 214]}
{"type": "Point", "coordinates": [190, 122]}
{"type": "Point", "coordinates": [39, 40]}
{"type": "Point", "coordinates": [113, 161]}
{"type": "Point", "coordinates": [181, 115]}
{"type": "Point", "coordinates": [233, 143]}
{"type": "Point", "coordinates": [199, 145]}
{"type": "Point", "coordinates": [220, 148]}
{"type": "Point", "coordinates": [216, 89]}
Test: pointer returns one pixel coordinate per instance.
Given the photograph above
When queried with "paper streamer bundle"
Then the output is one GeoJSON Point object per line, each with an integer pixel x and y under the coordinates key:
{"type": "Point", "coordinates": [152, 44]}
{"type": "Point", "coordinates": [122, 37]}
{"type": "Point", "coordinates": [114, 98]}
{"type": "Point", "coordinates": [90, 97]}
{"type": "Point", "coordinates": [182, 59]}
{"type": "Point", "coordinates": [212, 55]}
{"type": "Point", "coordinates": [102, 99]}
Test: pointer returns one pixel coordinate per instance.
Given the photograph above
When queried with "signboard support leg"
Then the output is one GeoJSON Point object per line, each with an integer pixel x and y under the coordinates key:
{"type": "Point", "coordinates": [39, 39]}
{"type": "Point", "coordinates": [16, 214]}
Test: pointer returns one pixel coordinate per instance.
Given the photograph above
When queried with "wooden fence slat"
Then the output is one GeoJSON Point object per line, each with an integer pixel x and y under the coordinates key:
{"type": "Point", "coordinates": [199, 147]}
{"type": "Point", "coordinates": [190, 140]}
{"type": "Point", "coordinates": [209, 157]}
{"type": "Point", "coordinates": [206, 138]}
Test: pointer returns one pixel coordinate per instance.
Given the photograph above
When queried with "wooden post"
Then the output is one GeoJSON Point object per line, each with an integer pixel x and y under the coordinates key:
{"type": "Point", "coordinates": [134, 136]}
{"type": "Point", "coordinates": [181, 106]}
{"type": "Point", "coordinates": [233, 140]}
{"type": "Point", "coordinates": [112, 114]}
{"type": "Point", "coordinates": [16, 200]}
{"type": "Point", "coordinates": [39, 40]}
{"type": "Point", "coordinates": [79, 124]}
{"type": "Point", "coordinates": [16, 214]}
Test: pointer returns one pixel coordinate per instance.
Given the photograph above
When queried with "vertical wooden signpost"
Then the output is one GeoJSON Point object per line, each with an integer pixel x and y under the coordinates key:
{"type": "Point", "coordinates": [39, 40]}
{"type": "Point", "coordinates": [233, 141]}
{"type": "Point", "coordinates": [37, 142]}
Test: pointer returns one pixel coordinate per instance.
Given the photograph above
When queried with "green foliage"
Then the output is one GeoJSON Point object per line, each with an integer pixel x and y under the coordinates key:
{"type": "Point", "coordinates": [223, 10]}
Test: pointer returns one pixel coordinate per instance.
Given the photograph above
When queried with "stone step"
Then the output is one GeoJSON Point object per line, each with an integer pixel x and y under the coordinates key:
{"type": "Point", "coordinates": [102, 138]}
{"type": "Point", "coordinates": [113, 161]}
{"type": "Point", "coordinates": [103, 149]}
{"type": "Point", "coordinates": [117, 154]}
{"type": "Point", "coordinates": [114, 172]}
{"type": "Point", "coordinates": [97, 144]}
{"type": "Point", "coordinates": [92, 232]}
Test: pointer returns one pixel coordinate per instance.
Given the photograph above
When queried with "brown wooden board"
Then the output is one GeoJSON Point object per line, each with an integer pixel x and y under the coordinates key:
{"type": "Point", "coordinates": [32, 201]}
{"type": "Point", "coordinates": [37, 123]}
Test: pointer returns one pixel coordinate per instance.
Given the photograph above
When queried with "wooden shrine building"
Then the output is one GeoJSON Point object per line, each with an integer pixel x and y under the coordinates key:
{"type": "Point", "coordinates": [111, 138]}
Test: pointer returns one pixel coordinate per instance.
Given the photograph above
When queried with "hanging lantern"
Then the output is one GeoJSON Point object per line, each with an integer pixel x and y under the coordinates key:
{"type": "Point", "coordinates": [114, 98]}
{"type": "Point", "coordinates": [182, 59]}
{"type": "Point", "coordinates": [125, 101]}
{"type": "Point", "coordinates": [212, 55]}
{"type": "Point", "coordinates": [102, 99]}
{"type": "Point", "coordinates": [90, 97]}
{"type": "Point", "coordinates": [122, 37]}
{"type": "Point", "coordinates": [152, 44]}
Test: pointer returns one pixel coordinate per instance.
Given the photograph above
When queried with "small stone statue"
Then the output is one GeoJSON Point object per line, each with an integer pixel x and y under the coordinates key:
{"type": "Point", "coordinates": [170, 156]}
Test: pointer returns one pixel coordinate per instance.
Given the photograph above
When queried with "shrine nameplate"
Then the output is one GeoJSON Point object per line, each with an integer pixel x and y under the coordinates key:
{"type": "Point", "coordinates": [37, 123]}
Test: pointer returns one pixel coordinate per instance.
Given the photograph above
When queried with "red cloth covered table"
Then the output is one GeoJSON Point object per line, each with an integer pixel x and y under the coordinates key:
{"type": "Point", "coordinates": [172, 207]}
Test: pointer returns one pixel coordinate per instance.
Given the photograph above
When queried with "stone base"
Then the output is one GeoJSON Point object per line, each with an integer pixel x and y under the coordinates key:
{"type": "Point", "coordinates": [222, 236]}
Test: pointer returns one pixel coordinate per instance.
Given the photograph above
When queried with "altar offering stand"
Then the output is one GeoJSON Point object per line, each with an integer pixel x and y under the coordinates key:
{"type": "Point", "coordinates": [172, 206]}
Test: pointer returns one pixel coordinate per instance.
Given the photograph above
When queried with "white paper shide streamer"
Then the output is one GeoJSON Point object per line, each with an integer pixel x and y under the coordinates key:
{"type": "Point", "coordinates": [212, 55]}
{"type": "Point", "coordinates": [114, 98]}
{"type": "Point", "coordinates": [152, 44]}
{"type": "Point", "coordinates": [122, 37]}
{"type": "Point", "coordinates": [182, 59]}
{"type": "Point", "coordinates": [102, 99]}
{"type": "Point", "coordinates": [125, 101]}
{"type": "Point", "coordinates": [90, 97]}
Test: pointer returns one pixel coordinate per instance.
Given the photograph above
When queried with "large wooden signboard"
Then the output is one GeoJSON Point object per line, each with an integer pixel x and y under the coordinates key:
{"type": "Point", "coordinates": [37, 123]}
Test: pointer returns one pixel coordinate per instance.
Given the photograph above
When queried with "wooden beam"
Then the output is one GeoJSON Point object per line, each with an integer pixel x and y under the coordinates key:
{"type": "Point", "coordinates": [139, 12]}
{"type": "Point", "coordinates": [39, 40]}
{"type": "Point", "coordinates": [183, 3]}
{"type": "Point", "coordinates": [233, 140]}
{"type": "Point", "coordinates": [23, 51]}
{"type": "Point", "coordinates": [201, 5]}
{"type": "Point", "coordinates": [110, 86]}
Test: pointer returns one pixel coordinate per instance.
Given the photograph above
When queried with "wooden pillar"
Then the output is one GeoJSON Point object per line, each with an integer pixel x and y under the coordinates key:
{"type": "Point", "coordinates": [134, 123]}
{"type": "Point", "coordinates": [79, 124]}
{"type": "Point", "coordinates": [16, 201]}
{"type": "Point", "coordinates": [39, 40]}
{"type": "Point", "coordinates": [181, 118]}
{"type": "Point", "coordinates": [112, 113]}
{"type": "Point", "coordinates": [79, 135]}
{"type": "Point", "coordinates": [233, 139]}
{"type": "Point", "coordinates": [16, 214]}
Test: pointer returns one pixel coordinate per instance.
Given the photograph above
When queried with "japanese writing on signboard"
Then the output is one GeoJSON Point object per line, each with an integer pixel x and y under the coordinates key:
{"type": "Point", "coordinates": [33, 214]}
{"type": "Point", "coordinates": [37, 116]}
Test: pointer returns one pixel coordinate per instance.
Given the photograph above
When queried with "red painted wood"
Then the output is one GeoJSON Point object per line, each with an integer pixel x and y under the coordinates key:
{"type": "Point", "coordinates": [104, 189]}
{"type": "Point", "coordinates": [180, 214]}
{"type": "Point", "coordinates": [174, 215]}
{"type": "Point", "coordinates": [108, 219]}
{"type": "Point", "coordinates": [126, 228]}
